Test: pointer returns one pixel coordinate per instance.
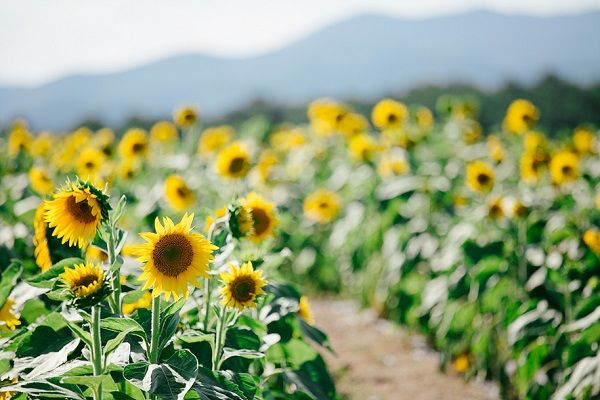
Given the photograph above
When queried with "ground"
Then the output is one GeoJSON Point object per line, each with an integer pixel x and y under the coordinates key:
{"type": "Point", "coordinates": [376, 360]}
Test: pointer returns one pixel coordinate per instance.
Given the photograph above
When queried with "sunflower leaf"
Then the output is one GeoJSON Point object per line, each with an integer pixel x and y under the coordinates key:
{"type": "Point", "coordinates": [79, 332]}
{"type": "Point", "coordinates": [45, 280]}
{"type": "Point", "coordinates": [9, 280]}
{"type": "Point", "coordinates": [123, 325]}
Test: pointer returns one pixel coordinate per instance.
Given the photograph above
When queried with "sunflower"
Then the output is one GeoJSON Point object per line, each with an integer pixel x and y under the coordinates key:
{"type": "Point", "coordinates": [362, 147]}
{"type": "Point", "coordinates": [104, 139]}
{"type": "Point", "coordinates": [127, 169]}
{"type": "Point", "coordinates": [353, 124]}
{"type": "Point", "coordinates": [519, 210]}
{"type": "Point", "coordinates": [144, 301]}
{"type": "Point", "coordinates": [90, 163]}
{"type": "Point", "coordinates": [424, 118]}
{"type": "Point", "coordinates": [392, 165]}
{"type": "Point", "coordinates": [241, 222]}
{"type": "Point", "coordinates": [325, 116]}
{"type": "Point", "coordinates": [461, 363]}
{"type": "Point", "coordinates": [41, 145]}
{"type": "Point", "coordinates": [241, 285]}
{"type": "Point", "coordinates": [134, 144]}
{"type": "Point", "coordinates": [178, 194]}
{"type": "Point", "coordinates": [40, 181]}
{"type": "Point", "coordinates": [8, 320]}
{"type": "Point", "coordinates": [76, 211]}
{"type": "Point", "coordinates": [214, 139]}
{"type": "Point", "coordinates": [521, 115]}
{"type": "Point", "coordinates": [84, 280]}
{"type": "Point", "coordinates": [472, 131]}
{"type": "Point", "coordinates": [233, 161]}
{"type": "Point", "coordinates": [267, 160]}
{"type": "Point", "coordinates": [591, 238]}
{"type": "Point", "coordinates": [304, 311]}
{"type": "Point", "coordinates": [287, 139]}
{"type": "Point", "coordinates": [583, 140]}
{"type": "Point", "coordinates": [19, 140]}
{"type": "Point", "coordinates": [389, 114]}
{"type": "Point", "coordinates": [163, 132]}
{"type": "Point", "coordinates": [95, 254]}
{"type": "Point", "coordinates": [495, 149]}
{"type": "Point", "coordinates": [41, 250]}
{"type": "Point", "coordinates": [322, 206]}
{"type": "Point", "coordinates": [185, 117]}
{"type": "Point", "coordinates": [564, 167]}
{"type": "Point", "coordinates": [495, 209]}
{"type": "Point", "coordinates": [531, 168]}
{"type": "Point", "coordinates": [480, 176]}
{"type": "Point", "coordinates": [263, 216]}
{"type": "Point", "coordinates": [174, 257]}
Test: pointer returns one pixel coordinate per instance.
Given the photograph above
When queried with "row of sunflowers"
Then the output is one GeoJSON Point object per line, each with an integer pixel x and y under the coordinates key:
{"type": "Point", "coordinates": [486, 242]}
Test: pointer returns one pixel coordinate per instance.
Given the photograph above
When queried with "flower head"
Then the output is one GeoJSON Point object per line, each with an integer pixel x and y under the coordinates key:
{"type": "Point", "coordinates": [591, 238]}
{"type": "Point", "coordinates": [134, 144]}
{"type": "Point", "coordinates": [214, 139]}
{"type": "Point", "coordinates": [233, 162]}
{"type": "Point", "coordinates": [173, 257]}
{"type": "Point", "coordinates": [40, 181]}
{"type": "Point", "coordinates": [362, 147]}
{"type": "Point", "coordinates": [564, 167]}
{"type": "Point", "coordinates": [521, 116]}
{"type": "Point", "coordinates": [304, 311]}
{"type": "Point", "coordinates": [76, 211]}
{"type": "Point", "coordinates": [389, 114]}
{"type": "Point", "coordinates": [241, 285]}
{"type": "Point", "coordinates": [163, 131]}
{"type": "Point", "coordinates": [185, 117]}
{"type": "Point", "coordinates": [178, 194]}
{"type": "Point", "coordinates": [263, 216]}
{"type": "Point", "coordinates": [84, 280]}
{"type": "Point", "coordinates": [8, 320]}
{"type": "Point", "coordinates": [322, 206]}
{"type": "Point", "coordinates": [480, 176]}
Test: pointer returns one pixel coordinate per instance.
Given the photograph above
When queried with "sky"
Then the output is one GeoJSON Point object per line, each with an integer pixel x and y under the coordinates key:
{"type": "Point", "coordinates": [44, 40]}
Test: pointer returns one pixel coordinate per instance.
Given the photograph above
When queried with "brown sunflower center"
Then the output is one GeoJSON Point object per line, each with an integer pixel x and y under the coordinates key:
{"type": "Point", "coordinates": [323, 205]}
{"type": "Point", "coordinates": [138, 147]}
{"type": "Point", "coordinates": [173, 254]}
{"type": "Point", "coordinates": [261, 220]}
{"type": "Point", "coordinates": [85, 280]}
{"type": "Point", "coordinates": [567, 170]}
{"type": "Point", "coordinates": [189, 117]}
{"type": "Point", "coordinates": [183, 192]}
{"type": "Point", "coordinates": [243, 289]}
{"type": "Point", "coordinates": [237, 165]}
{"type": "Point", "coordinates": [81, 211]}
{"type": "Point", "coordinates": [483, 179]}
{"type": "Point", "coordinates": [392, 118]}
{"type": "Point", "coordinates": [90, 165]}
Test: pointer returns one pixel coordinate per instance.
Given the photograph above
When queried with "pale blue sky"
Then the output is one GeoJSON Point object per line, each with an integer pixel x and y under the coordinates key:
{"type": "Point", "coordinates": [42, 40]}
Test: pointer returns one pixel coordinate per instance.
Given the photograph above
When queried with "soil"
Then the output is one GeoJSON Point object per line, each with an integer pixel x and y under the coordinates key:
{"type": "Point", "coordinates": [377, 360]}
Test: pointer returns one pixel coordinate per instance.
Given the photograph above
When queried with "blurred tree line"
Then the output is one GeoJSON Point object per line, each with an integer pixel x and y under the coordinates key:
{"type": "Point", "coordinates": [563, 105]}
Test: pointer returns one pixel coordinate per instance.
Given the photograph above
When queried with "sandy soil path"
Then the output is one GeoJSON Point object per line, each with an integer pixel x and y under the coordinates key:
{"type": "Point", "coordinates": [379, 361]}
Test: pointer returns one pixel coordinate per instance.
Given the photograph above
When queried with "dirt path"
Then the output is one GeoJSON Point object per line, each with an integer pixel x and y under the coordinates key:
{"type": "Point", "coordinates": [379, 361]}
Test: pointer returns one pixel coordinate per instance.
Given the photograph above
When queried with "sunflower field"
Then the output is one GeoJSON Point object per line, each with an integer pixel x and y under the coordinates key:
{"type": "Point", "coordinates": [171, 261]}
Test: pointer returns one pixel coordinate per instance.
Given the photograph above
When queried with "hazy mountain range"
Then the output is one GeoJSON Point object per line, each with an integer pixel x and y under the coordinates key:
{"type": "Point", "coordinates": [365, 56]}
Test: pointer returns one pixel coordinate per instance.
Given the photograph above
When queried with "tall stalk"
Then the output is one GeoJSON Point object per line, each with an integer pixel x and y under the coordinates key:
{"type": "Point", "coordinates": [155, 331]}
{"type": "Point", "coordinates": [115, 299]}
{"type": "Point", "coordinates": [219, 339]}
{"type": "Point", "coordinates": [96, 349]}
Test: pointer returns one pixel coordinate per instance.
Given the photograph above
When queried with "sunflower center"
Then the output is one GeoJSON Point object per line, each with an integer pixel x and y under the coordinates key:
{"type": "Point", "coordinates": [392, 118]}
{"type": "Point", "coordinates": [567, 170]}
{"type": "Point", "coordinates": [138, 147]}
{"type": "Point", "coordinates": [243, 289]}
{"type": "Point", "coordinates": [183, 192]}
{"type": "Point", "coordinates": [237, 165]}
{"type": "Point", "coordinates": [81, 211]}
{"type": "Point", "coordinates": [89, 165]}
{"type": "Point", "coordinates": [85, 280]}
{"type": "Point", "coordinates": [323, 204]}
{"type": "Point", "coordinates": [261, 220]}
{"type": "Point", "coordinates": [483, 179]}
{"type": "Point", "coordinates": [173, 254]}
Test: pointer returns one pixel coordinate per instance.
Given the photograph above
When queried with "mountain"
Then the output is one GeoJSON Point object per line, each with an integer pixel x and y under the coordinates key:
{"type": "Point", "coordinates": [363, 57]}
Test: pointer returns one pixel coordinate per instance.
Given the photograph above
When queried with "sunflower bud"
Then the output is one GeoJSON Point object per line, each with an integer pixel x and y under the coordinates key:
{"type": "Point", "coordinates": [241, 223]}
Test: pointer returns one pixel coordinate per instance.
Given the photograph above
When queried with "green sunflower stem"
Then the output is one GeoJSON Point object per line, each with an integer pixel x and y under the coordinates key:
{"type": "Point", "coordinates": [219, 339]}
{"type": "Point", "coordinates": [115, 302]}
{"type": "Point", "coordinates": [207, 295]}
{"type": "Point", "coordinates": [96, 348]}
{"type": "Point", "coordinates": [155, 331]}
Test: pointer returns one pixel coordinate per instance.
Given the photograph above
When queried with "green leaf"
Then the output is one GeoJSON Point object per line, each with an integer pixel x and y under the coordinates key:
{"type": "Point", "coordinates": [315, 334]}
{"type": "Point", "coordinates": [43, 339]}
{"type": "Point", "coordinates": [9, 279]}
{"type": "Point", "coordinates": [128, 325]}
{"type": "Point", "coordinates": [212, 386]}
{"type": "Point", "coordinates": [89, 381]}
{"type": "Point", "coordinates": [243, 353]}
{"type": "Point", "coordinates": [113, 343]}
{"type": "Point", "coordinates": [46, 389]}
{"type": "Point", "coordinates": [313, 378]}
{"type": "Point", "coordinates": [171, 380]}
{"type": "Point", "coordinates": [45, 280]}
{"type": "Point", "coordinates": [80, 333]}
